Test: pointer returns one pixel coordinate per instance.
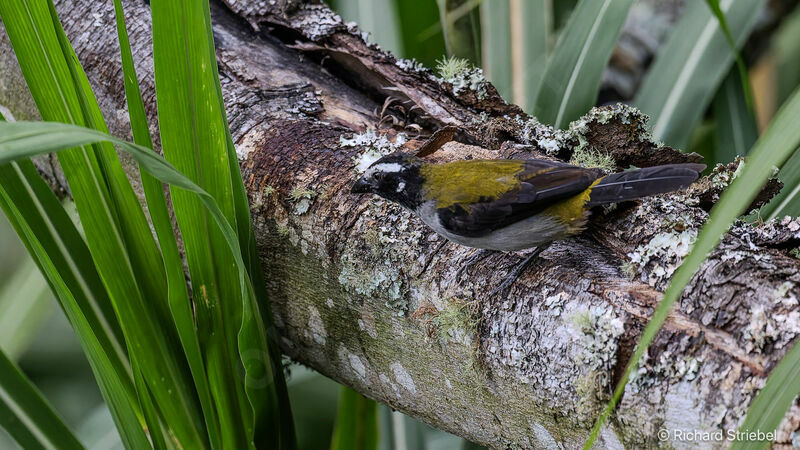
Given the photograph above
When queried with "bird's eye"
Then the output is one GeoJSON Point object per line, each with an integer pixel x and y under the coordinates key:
{"type": "Point", "coordinates": [378, 176]}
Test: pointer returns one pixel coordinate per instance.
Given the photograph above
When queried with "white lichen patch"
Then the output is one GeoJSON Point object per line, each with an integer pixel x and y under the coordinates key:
{"type": "Point", "coordinates": [368, 280]}
{"type": "Point", "coordinates": [461, 75]}
{"type": "Point", "coordinates": [662, 255]}
{"type": "Point", "coordinates": [600, 328]}
{"type": "Point", "coordinates": [376, 146]}
{"type": "Point", "coordinates": [316, 327]}
{"type": "Point", "coordinates": [411, 65]}
{"type": "Point", "coordinates": [354, 362]}
{"type": "Point", "coordinates": [316, 21]}
{"type": "Point", "coordinates": [389, 383]}
{"type": "Point", "coordinates": [251, 141]}
{"type": "Point", "coordinates": [302, 199]}
{"type": "Point", "coordinates": [760, 330]}
{"type": "Point", "coordinates": [402, 377]}
{"type": "Point", "coordinates": [783, 294]}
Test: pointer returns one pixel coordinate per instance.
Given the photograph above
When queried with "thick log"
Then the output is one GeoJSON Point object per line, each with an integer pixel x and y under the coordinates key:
{"type": "Point", "coordinates": [363, 292]}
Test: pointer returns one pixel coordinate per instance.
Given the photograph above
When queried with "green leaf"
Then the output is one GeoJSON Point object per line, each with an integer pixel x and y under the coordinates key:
{"type": "Point", "coordinates": [772, 149]}
{"type": "Point", "coordinates": [178, 296]}
{"type": "Point", "coordinates": [25, 303]}
{"type": "Point", "coordinates": [496, 35]}
{"type": "Point", "coordinates": [744, 80]}
{"type": "Point", "coordinates": [195, 137]}
{"type": "Point", "coordinates": [786, 43]}
{"type": "Point", "coordinates": [415, 17]}
{"type": "Point", "coordinates": [356, 422]}
{"type": "Point", "coordinates": [574, 73]}
{"type": "Point", "coordinates": [530, 48]}
{"type": "Point", "coordinates": [118, 235]}
{"type": "Point", "coordinates": [736, 126]}
{"type": "Point", "coordinates": [27, 416]}
{"type": "Point", "coordinates": [690, 66]}
{"type": "Point", "coordinates": [63, 258]}
{"type": "Point", "coordinates": [25, 139]}
{"type": "Point", "coordinates": [378, 17]}
{"type": "Point", "coordinates": [773, 400]}
{"type": "Point", "coordinates": [460, 22]}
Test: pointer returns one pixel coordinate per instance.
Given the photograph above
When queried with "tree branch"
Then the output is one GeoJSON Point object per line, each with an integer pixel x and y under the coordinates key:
{"type": "Point", "coordinates": [366, 294]}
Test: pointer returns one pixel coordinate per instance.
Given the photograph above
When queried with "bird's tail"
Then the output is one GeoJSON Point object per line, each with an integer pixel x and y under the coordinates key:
{"type": "Point", "coordinates": [638, 183]}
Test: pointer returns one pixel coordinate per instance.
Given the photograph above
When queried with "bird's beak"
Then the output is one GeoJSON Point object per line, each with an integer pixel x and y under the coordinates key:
{"type": "Point", "coordinates": [361, 186]}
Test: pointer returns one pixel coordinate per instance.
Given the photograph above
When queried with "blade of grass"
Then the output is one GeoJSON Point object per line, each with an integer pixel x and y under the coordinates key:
{"type": "Point", "coordinates": [690, 66]}
{"type": "Point", "coordinates": [460, 24]}
{"type": "Point", "coordinates": [25, 303]}
{"type": "Point", "coordinates": [531, 36]}
{"type": "Point", "coordinates": [496, 33]}
{"type": "Point", "coordinates": [378, 17]}
{"type": "Point", "coordinates": [356, 422]}
{"type": "Point", "coordinates": [27, 416]}
{"type": "Point", "coordinates": [53, 252]}
{"type": "Point", "coordinates": [772, 149]}
{"type": "Point", "coordinates": [736, 127]}
{"type": "Point", "coordinates": [773, 400]}
{"type": "Point", "coordinates": [63, 258]}
{"type": "Point", "coordinates": [118, 235]}
{"type": "Point", "coordinates": [787, 202]}
{"type": "Point", "coordinates": [744, 80]}
{"type": "Point", "coordinates": [574, 72]}
{"type": "Point", "coordinates": [25, 139]}
{"type": "Point", "coordinates": [178, 296]}
{"type": "Point", "coordinates": [415, 17]}
{"type": "Point", "coordinates": [198, 140]}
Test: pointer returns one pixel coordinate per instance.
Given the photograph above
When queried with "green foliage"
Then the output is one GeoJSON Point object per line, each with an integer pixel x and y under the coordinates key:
{"type": "Point", "coordinates": [356, 422]}
{"type": "Point", "coordinates": [690, 66]}
{"type": "Point", "coordinates": [27, 416]}
{"type": "Point", "coordinates": [574, 72]}
{"type": "Point", "coordinates": [736, 130]}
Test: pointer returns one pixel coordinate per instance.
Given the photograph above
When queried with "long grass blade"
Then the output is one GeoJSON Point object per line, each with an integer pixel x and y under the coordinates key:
{"type": "Point", "coordinates": [496, 42]}
{"type": "Point", "coordinates": [25, 139]}
{"type": "Point", "coordinates": [27, 416]}
{"type": "Point", "coordinates": [53, 241]}
{"type": "Point", "coordinates": [772, 149]}
{"type": "Point", "coordinates": [178, 296]}
{"type": "Point", "coordinates": [736, 127]}
{"type": "Point", "coordinates": [117, 231]}
{"type": "Point", "coordinates": [63, 258]}
{"type": "Point", "coordinates": [531, 38]}
{"type": "Point", "coordinates": [574, 72]}
{"type": "Point", "coordinates": [356, 422]}
{"type": "Point", "coordinates": [690, 66]}
{"type": "Point", "coordinates": [744, 80]}
{"type": "Point", "coordinates": [25, 303]}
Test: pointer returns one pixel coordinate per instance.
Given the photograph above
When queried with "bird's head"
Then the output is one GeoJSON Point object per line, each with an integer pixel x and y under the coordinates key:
{"type": "Point", "coordinates": [395, 177]}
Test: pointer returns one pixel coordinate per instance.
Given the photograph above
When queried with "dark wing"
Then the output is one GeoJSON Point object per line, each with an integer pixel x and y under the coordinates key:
{"type": "Point", "coordinates": [542, 183]}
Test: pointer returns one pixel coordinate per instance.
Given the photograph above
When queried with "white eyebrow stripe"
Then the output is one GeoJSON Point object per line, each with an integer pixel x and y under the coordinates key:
{"type": "Point", "coordinates": [388, 168]}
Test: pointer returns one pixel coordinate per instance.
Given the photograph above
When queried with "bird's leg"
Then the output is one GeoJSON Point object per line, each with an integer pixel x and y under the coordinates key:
{"type": "Point", "coordinates": [472, 260]}
{"type": "Point", "coordinates": [512, 277]}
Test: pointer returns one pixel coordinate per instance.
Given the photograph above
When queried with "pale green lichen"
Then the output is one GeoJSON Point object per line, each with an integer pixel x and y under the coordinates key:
{"type": "Point", "coordinates": [370, 279]}
{"type": "Point", "coordinates": [663, 253]}
{"type": "Point", "coordinates": [462, 75]}
{"type": "Point", "coordinates": [283, 231]}
{"type": "Point", "coordinates": [795, 252]}
{"type": "Point", "coordinates": [668, 366]}
{"type": "Point", "coordinates": [302, 198]}
{"type": "Point", "coordinates": [591, 158]}
{"type": "Point", "coordinates": [456, 321]}
{"type": "Point", "coordinates": [269, 190]}
{"type": "Point", "coordinates": [783, 294]}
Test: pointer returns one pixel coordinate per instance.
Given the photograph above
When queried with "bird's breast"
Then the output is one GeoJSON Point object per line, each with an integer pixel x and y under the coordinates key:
{"type": "Point", "coordinates": [524, 234]}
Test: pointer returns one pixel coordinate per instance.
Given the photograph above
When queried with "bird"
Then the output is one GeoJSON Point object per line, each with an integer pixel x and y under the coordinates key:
{"type": "Point", "coordinates": [511, 204]}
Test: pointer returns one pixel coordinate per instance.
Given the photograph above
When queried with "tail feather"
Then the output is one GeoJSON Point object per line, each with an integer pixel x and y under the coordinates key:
{"type": "Point", "coordinates": [638, 183]}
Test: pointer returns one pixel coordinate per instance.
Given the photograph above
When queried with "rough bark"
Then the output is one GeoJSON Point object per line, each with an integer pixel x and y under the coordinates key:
{"type": "Point", "coordinates": [366, 294]}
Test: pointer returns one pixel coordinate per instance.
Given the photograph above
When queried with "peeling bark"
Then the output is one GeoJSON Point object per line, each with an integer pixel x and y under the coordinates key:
{"type": "Point", "coordinates": [363, 292]}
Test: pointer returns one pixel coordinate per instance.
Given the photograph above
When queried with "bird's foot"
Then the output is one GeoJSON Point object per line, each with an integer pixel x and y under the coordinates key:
{"type": "Point", "coordinates": [520, 267]}
{"type": "Point", "coordinates": [472, 260]}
